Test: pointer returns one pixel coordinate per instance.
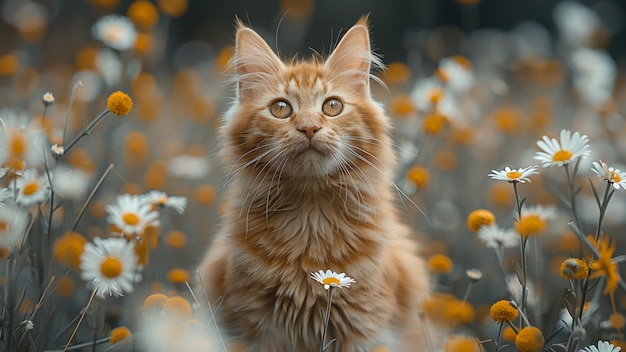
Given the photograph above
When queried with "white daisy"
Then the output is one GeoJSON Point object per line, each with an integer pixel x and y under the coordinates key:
{"type": "Point", "coordinates": [332, 279]}
{"type": "Point", "coordinates": [20, 144]}
{"type": "Point", "coordinates": [576, 22]}
{"type": "Point", "coordinates": [514, 175]}
{"type": "Point", "coordinates": [595, 75]}
{"type": "Point", "coordinates": [455, 73]}
{"type": "Point", "coordinates": [48, 99]}
{"type": "Point", "coordinates": [426, 94]}
{"type": "Point", "coordinates": [31, 188]}
{"type": "Point", "coordinates": [495, 237]}
{"type": "Point", "coordinates": [5, 194]}
{"type": "Point", "coordinates": [544, 212]}
{"type": "Point", "coordinates": [110, 265]}
{"type": "Point", "coordinates": [603, 346]}
{"type": "Point", "coordinates": [558, 153]}
{"type": "Point", "coordinates": [114, 31]}
{"type": "Point", "coordinates": [132, 214]}
{"type": "Point", "coordinates": [610, 174]}
{"type": "Point", "coordinates": [57, 151]}
{"type": "Point", "coordinates": [596, 65]}
{"type": "Point", "coordinates": [109, 66]}
{"type": "Point", "coordinates": [161, 199]}
{"type": "Point", "coordinates": [535, 219]}
{"type": "Point", "coordinates": [189, 166]}
{"type": "Point", "coordinates": [474, 274]}
{"type": "Point", "coordinates": [13, 223]}
{"type": "Point", "coordinates": [70, 183]}
{"type": "Point", "coordinates": [448, 107]}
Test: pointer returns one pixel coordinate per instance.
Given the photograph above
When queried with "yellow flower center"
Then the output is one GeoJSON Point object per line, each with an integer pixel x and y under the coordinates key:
{"type": "Point", "coordinates": [513, 174]}
{"type": "Point", "coordinates": [130, 218]}
{"type": "Point", "coordinates": [442, 75]}
{"type": "Point", "coordinates": [331, 281]}
{"type": "Point", "coordinates": [18, 144]}
{"type": "Point", "coordinates": [531, 225]}
{"type": "Point", "coordinates": [111, 267]}
{"type": "Point", "coordinates": [113, 34]}
{"type": "Point", "coordinates": [436, 95]}
{"type": "Point", "coordinates": [15, 163]}
{"type": "Point", "coordinates": [4, 226]}
{"type": "Point", "coordinates": [562, 155]}
{"type": "Point", "coordinates": [615, 177]}
{"type": "Point", "coordinates": [435, 123]}
{"type": "Point", "coordinates": [30, 188]}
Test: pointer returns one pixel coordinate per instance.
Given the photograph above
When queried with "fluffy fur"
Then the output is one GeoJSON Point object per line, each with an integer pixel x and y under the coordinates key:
{"type": "Point", "coordinates": [306, 193]}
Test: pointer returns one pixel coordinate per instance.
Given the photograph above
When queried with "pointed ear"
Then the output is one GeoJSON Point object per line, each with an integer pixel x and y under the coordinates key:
{"type": "Point", "coordinates": [350, 62]}
{"type": "Point", "coordinates": [255, 63]}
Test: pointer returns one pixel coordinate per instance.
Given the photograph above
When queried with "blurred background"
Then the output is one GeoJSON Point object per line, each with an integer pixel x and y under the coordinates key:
{"type": "Point", "coordinates": [523, 69]}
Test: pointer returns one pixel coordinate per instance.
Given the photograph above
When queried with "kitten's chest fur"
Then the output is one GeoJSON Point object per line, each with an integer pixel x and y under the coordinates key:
{"type": "Point", "coordinates": [309, 223]}
{"type": "Point", "coordinates": [279, 240]}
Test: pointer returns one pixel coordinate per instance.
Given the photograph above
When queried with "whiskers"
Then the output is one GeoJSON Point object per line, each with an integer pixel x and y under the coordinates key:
{"type": "Point", "coordinates": [379, 166]}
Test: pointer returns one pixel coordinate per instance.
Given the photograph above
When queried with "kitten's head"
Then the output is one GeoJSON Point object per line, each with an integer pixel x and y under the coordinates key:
{"type": "Point", "coordinates": [310, 119]}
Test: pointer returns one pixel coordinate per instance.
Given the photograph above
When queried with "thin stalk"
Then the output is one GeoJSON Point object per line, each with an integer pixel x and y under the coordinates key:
{"type": "Point", "coordinates": [93, 192]}
{"type": "Point", "coordinates": [467, 292]}
{"type": "Point", "coordinates": [608, 192]}
{"type": "Point", "coordinates": [87, 130]}
{"type": "Point", "coordinates": [572, 192]}
{"type": "Point", "coordinates": [524, 240]}
{"type": "Point", "coordinates": [82, 316]}
{"type": "Point", "coordinates": [327, 318]}
{"type": "Point", "coordinates": [499, 339]}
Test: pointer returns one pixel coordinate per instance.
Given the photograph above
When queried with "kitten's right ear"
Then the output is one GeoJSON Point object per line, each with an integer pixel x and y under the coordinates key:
{"type": "Point", "coordinates": [255, 63]}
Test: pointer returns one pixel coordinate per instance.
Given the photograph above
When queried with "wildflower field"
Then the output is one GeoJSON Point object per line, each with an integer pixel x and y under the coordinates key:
{"type": "Point", "coordinates": [510, 145]}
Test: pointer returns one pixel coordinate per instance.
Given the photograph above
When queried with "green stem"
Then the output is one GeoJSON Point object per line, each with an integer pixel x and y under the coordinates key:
{"type": "Point", "coordinates": [87, 130]}
{"type": "Point", "coordinates": [327, 318]}
{"type": "Point", "coordinates": [570, 181]}
{"type": "Point", "coordinates": [608, 192]}
{"type": "Point", "coordinates": [524, 240]}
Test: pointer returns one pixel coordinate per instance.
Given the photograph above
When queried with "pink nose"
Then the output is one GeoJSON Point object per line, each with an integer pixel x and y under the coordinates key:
{"type": "Point", "coordinates": [309, 131]}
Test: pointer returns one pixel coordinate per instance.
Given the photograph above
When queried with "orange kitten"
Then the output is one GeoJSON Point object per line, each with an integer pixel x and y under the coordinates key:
{"type": "Point", "coordinates": [311, 189]}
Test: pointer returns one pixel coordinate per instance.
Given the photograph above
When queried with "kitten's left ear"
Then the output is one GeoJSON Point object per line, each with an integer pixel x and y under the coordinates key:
{"type": "Point", "coordinates": [350, 62]}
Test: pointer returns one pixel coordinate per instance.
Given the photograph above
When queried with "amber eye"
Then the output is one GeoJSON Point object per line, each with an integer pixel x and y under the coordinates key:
{"type": "Point", "coordinates": [281, 109]}
{"type": "Point", "coordinates": [332, 107]}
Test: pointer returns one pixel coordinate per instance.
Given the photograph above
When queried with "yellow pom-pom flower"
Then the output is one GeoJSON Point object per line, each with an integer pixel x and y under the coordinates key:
{"type": "Point", "coordinates": [178, 276]}
{"type": "Point", "coordinates": [502, 311]}
{"type": "Point", "coordinates": [574, 269]}
{"type": "Point", "coordinates": [617, 321]}
{"type": "Point", "coordinates": [440, 264]}
{"type": "Point", "coordinates": [418, 175]}
{"type": "Point", "coordinates": [119, 103]}
{"type": "Point", "coordinates": [458, 343]}
{"type": "Point", "coordinates": [143, 13]}
{"type": "Point", "coordinates": [508, 334]}
{"type": "Point", "coordinates": [155, 301]}
{"type": "Point", "coordinates": [178, 306]}
{"type": "Point", "coordinates": [478, 218]}
{"type": "Point", "coordinates": [529, 339]}
{"type": "Point", "coordinates": [118, 334]}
